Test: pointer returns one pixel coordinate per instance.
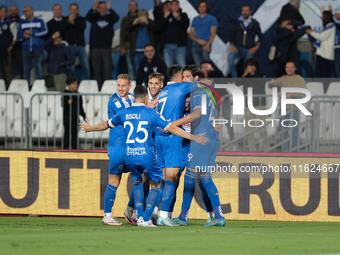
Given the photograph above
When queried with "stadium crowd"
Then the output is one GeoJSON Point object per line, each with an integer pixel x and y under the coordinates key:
{"type": "Point", "coordinates": [150, 45]}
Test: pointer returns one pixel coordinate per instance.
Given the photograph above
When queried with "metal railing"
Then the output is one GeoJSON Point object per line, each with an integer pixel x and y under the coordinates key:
{"type": "Point", "coordinates": [54, 120]}
{"type": "Point", "coordinates": [40, 124]}
{"type": "Point", "coordinates": [12, 121]}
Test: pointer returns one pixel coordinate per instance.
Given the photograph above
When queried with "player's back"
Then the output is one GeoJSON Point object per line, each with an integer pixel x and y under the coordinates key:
{"type": "Point", "coordinates": [171, 100]}
{"type": "Point", "coordinates": [139, 123]}
{"type": "Point", "coordinates": [206, 122]}
{"type": "Point", "coordinates": [115, 105]}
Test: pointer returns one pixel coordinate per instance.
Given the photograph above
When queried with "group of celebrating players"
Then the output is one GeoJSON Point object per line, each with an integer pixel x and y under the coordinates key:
{"type": "Point", "coordinates": [155, 134]}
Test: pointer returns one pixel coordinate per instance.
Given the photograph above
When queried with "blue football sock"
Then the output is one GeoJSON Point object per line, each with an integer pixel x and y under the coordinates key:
{"type": "Point", "coordinates": [139, 199]}
{"type": "Point", "coordinates": [109, 198]}
{"type": "Point", "coordinates": [146, 189]}
{"type": "Point", "coordinates": [159, 199]}
{"type": "Point", "coordinates": [131, 203]}
{"type": "Point", "coordinates": [167, 196]}
{"type": "Point", "coordinates": [188, 193]}
{"type": "Point", "coordinates": [212, 191]}
{"type": "Point", "coordinates": [151, 202]}
{"type": "Point", "coordinates": [171, 209]}
{"type": "Point", "coordinates": [205, 198]}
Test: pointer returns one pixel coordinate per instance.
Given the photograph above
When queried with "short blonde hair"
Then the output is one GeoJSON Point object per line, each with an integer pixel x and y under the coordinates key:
{"type": "Point", "coordinates": [124, 76]}
{"type": "Point", "coordinates": [157, 75]}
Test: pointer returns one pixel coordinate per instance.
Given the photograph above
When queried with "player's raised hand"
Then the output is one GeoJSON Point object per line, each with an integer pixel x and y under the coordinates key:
{"type": "Point", "coordinates": [108, 5]}
{"type": "Point", "coordinates": [86, 127]}
{"type": "Point", "coordinates": [152, 104]}
{"type": "Point", "coordinates": [201, 139]}
{"type": "Point", "coordinates": [95, 5]}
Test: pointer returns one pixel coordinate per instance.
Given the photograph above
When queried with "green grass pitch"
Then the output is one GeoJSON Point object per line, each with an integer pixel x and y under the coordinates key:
{"type": "Point", "coordinates": [45, 235]}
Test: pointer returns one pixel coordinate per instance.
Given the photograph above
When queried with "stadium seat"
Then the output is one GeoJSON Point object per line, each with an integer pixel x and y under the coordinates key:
{"type": "Point", "coordinates": [96, 101]}
{"type": "Point", "coordinates": [60, 130]}
{"type": "Point", "coordinates": [2, 85]}
{"type": "Point", "coordinates": [333, 89]}
{"type": "Point", "coordinates": [39, 111]}
{"type": "Point", "coordinates": [54, 106]}
{"type": "Point", "coordinates": [334, 124]}
{"type": "Point", "coordinates": [5, 127]}
{"type": "Point", "coordinates": [102, 113]}
{"type": "Point", "coordinates": [5, 102]}
{"type": "Point", "coordinates": [133, 85]}
{"type": "Point", "coordinates": [18, 127]}
{"type": "Point", "coordinates": [109, 87]}
{"type": "Point", "coordinates": [315, 88]}
{"type": "Point", "coordinates": [45, 128]}
{"type": "Point", "coordinates": [39, 86]}
{"type": "Point", "coordinates": [88, 86]}
{"type": "Point", "coordinates": [18, 86]}
{"type": "Point", "coordinates": [14, 110]}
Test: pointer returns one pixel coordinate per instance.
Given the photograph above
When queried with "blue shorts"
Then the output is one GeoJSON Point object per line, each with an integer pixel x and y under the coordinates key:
{"type": "Point", "coordinates": [146, 164]}
{"type": "Point", "coordinates": [117, 160]}
{"type": "Point", "coordinates": [169, 150]}
{"type": "Point", "coordinates": [202, 156]}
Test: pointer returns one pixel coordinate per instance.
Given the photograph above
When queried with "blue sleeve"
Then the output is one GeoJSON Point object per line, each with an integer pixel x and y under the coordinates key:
{"type": "Point", "coordinates": [196, 100]}
{"type": "Point", "coordinates": [111, 108]}
{"type": "Point", "coordinates": [42, 31]}
{"type": "Point", "coordinates": [115, 121]}
{"type": "Point", "coordinates": [186, 87]}
{"type": "Point", "coordinates": [194, 23]}
{"type": "Point", "coordinates": [159, 121]}
{"type": "Point", "coordinates": [214, 22]}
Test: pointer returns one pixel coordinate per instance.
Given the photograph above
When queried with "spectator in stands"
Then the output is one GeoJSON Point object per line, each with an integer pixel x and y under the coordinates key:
{"type": "Point", "coordinates": [158, 13]}
{"type": "Point", "coordinates": [174, 25]}
{"type": "Point", "coordinates": [6, 46]}
{"type": "Point", "coordinates": [336, 18]}
{"type": "Point", "coordinates": [58, 22]}
{"type": "Point", "coordinates": [291, 79]}
{"type": "Point", "coordinates": [32, 32]}
{"type": "Point", "coordinates": [142, 32]}
{"type": "Point", "coordinates": [102, 19]}
{"type": "Point", "coordinates": [324, 46]}
{"type": "Point", "coordinates": [289, 30]}
{"type": "Point", "coordinates": [149, 64]}
{"type": "Point", "coordinates": [60, 57]}
{"type": "Point", "coordinates": [210, 71]}
{"type": "Point", "coordinates": [74, 35]}
{"type": "Point", "coordinates": [242, 39]}
{"type": "Point", "coordinates": [202, 32]}
{"type": "Point", "coordinates": [72, 108]}
{"type": "Point", "coordinates": [16, 52]}
{"type": "Point", "coordinates": [253, 80]}
{"type": "Point", "coordinates": [125, 36]}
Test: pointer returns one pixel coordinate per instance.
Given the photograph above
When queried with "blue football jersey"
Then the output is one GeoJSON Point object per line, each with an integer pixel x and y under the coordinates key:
{"type": "Point", "coordinates": [115, 105]}
{"type": "Point", "coordinates": [171, 100]}
{"type": "Point", "coordinates": [205, 122]}
{"type": "Point", "coordinates": [139, 123]}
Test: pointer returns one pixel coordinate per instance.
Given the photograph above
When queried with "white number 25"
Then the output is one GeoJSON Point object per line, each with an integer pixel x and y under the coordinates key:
{"type": "Point", "coordinates": [139, 129]}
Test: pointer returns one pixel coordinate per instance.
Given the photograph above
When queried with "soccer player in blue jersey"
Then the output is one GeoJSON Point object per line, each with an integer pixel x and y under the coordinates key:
{"type": "Point", "coordinates": [139, 123]}
{"type": "Point", "coordinates": [116, 147]}
{"type": "Point", "coordinates": [171, 104]}
{"type": "Point", "coordinates": [155, 85]}
{"type": "Point", "coordinates": [200, 157]}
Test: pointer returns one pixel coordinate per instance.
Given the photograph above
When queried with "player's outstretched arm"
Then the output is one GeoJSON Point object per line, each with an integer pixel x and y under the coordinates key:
{"type": "Point", "coordinates": [196, 114]}
{"type": "Point", "coordinates": [89, 128]}
{"type": "Point", "coordinates": [179, 132]}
